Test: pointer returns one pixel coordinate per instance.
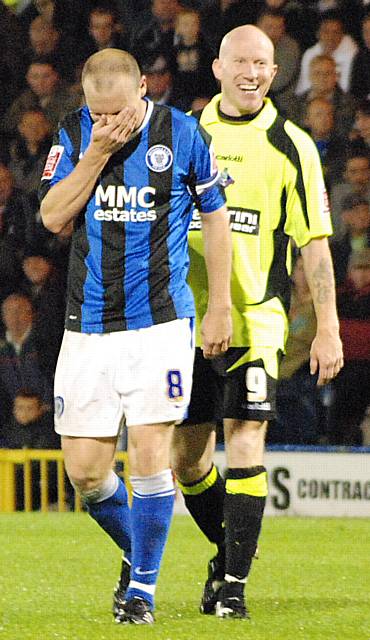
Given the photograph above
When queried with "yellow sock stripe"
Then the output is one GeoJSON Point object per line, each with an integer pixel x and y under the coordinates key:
{"type": "Point", "coordinates": [198, 488]}
{"type": "Point", "coordinates": [255, 486]}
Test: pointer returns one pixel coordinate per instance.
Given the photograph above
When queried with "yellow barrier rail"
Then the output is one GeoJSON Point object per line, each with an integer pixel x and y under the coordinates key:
{"type": "Point", "coordinates": [11, 460]}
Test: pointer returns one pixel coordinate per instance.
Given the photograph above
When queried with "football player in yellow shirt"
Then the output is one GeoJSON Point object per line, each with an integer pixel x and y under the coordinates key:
{"type": "Point", "coordinates": [276, 194]}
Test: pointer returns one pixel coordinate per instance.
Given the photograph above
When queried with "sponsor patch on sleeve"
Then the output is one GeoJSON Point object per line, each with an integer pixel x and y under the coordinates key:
{"type": "Point", "coordinates": [52, 161]}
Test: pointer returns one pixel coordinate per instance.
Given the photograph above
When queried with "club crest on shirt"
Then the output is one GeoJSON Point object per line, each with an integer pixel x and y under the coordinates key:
{"type": "Point", "coordinates": [159, 158]}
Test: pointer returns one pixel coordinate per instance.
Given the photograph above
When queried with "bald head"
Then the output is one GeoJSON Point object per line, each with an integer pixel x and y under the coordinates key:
{"type": "Point", "coordinates": [112, 81]}
{"type": "Point", "coordinates": [102, 68]}
{"type": "Point", "coordinates": [245, 68]}
{"type": "Point", "coordinates": [247, 33]}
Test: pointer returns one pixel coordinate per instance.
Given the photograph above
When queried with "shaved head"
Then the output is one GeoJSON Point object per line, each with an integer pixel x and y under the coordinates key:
{"type": "Point", "coordinates": [245, 68]}
{"type": "Point", "coordinates": [247, 32]}
{"type": "Point", "coordinates": [102, 68]}
{"type": "Point", "coordinates": [112, 81]}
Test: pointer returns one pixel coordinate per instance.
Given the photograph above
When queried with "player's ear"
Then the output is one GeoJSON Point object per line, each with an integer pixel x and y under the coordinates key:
{"type": "Point", "coordinates": [142, 86]}
{"type": "Point", "coordinates": [274, 71]}
{"type": "Point", "coordinates": [217, 69]}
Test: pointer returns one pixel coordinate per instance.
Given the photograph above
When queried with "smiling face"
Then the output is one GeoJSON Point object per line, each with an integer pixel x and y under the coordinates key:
{"type": "Point", "coordinates": [245, 69]}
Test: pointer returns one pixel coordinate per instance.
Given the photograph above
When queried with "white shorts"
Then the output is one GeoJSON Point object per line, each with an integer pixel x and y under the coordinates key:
{"type": "Point", "coordinates": [141, 376]}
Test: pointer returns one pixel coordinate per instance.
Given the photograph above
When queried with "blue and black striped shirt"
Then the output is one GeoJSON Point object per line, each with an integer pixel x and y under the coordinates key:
{"type": "Point", "coordinates": [129, 254]}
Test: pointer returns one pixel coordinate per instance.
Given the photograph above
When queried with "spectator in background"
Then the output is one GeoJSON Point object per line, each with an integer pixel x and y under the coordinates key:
{"type": "Point", "coordinates": [356, 221]}
{"type": "Point", "coordinates": [46, 289]}
{"type": "Point", "coordinates": [351, 11]}
{"type": "Point", "coordinates": [14, 210]}
{"type": "Point", "coordinates": [46, 41]}
{"type": "Point", "coordinates": [160, 84]}
{"type": "Point", "coordinates": [287, 58]}
{"type": "Point", "coordinates": [360, 74]}
{"type": "Point", "coordinates": [12, 64]}
{"type": "Point", "coordinates": [29, 151]}
{"type": "Point", "coordinates": [300, 20]}
{"type": "Point", "coordinates": [297, 401]}
{"type": "Point", "coordinates": [16, 213]}
{"type": "Point", "coordinates": [193, 57]}
{"type": "Point", "coordinates": [361, 132]}
{"type": "Point", "coordinates": [199, 103]}
{"type": "Point", "coordinates": [44, 8]}
{"type": "Point", "coordinates": [46, 91]}
{"type": "Point", "coordinates": [105, 30]}
{"type": "Point", "coordinates": [220, 16]}
{"type": "Point", "coordinates": [31, 426]}
{"type": "Point", "coordinates": [332, 148]}
{"type": "Point", "coordinates": [323, 81]}
{"type": "Point", "coordinates": [352, 386]}
{"type": "Point", "coordinates": [356, 180]}
{"type": "Point", "coordinates": [332, 41]}
{"type": "Point", "coordinates": [68, 16]}
{"type": "Point", "coordinates": [154, 34]}
{"type": "Point", "coordinates": [23, 360]}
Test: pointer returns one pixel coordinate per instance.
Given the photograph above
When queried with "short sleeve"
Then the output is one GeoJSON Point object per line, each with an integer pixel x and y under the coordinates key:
{"type": "Point", "coordinates": [308, 212]}
{"type": "Point", "coordinates": [59, 163]}
{"type": "Point", "coordinates": [204, 179]}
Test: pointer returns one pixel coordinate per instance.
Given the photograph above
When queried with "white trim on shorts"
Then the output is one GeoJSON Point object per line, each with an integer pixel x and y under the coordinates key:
{"type": "Point", "coordinates": [141, 376]}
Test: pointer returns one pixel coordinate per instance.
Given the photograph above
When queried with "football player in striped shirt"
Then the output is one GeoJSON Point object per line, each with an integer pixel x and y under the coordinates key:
{"type": "Point", "coordinates": [123, 174]}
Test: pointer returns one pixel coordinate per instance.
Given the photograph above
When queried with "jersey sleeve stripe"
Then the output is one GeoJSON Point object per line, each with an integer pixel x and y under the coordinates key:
{"type": "Point", "coordinates": [279, 139]}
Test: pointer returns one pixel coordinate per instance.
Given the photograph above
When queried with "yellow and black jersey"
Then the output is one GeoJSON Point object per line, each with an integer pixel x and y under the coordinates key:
{"type": "Point", "coordinates": [276, 193]}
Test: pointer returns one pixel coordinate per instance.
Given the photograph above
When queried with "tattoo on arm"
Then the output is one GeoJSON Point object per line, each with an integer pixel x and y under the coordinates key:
{"type": "Point", "coordinates": [322, 280]}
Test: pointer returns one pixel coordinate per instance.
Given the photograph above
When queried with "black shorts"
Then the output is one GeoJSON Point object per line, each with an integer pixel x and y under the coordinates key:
{"type": "Point", "coordinates": [247, 392]}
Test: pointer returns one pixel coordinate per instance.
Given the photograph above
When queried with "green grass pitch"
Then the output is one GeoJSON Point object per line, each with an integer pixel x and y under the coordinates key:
{"type": "Point", "coordinates": [57, 571]}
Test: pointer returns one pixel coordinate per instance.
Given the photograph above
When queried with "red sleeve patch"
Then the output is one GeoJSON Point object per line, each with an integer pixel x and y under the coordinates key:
{"type": "Point", "coordinates": [52, 161]}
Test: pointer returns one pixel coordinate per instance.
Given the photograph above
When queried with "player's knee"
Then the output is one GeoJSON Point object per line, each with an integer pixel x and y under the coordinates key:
{"type": "Point", "coordinates": [86, 484]}
{"type": "Point", "coordinates": [187, 467]}
{"type": "Point", "coordinates": [192, 453]}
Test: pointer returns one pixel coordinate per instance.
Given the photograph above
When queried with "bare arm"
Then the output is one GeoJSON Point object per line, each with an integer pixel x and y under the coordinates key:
{"type": "Point", "coordinates": [216, 325]}
{"type": "Point", "coordinates": [326, 355]}
{"type": "Point", "coordinates": [66, 199]}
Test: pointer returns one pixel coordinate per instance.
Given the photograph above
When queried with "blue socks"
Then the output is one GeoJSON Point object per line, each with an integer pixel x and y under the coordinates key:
{"type": "Point", "coordinates": [151, 515]}
{"type": "Point", "coordinates": [112, 512]}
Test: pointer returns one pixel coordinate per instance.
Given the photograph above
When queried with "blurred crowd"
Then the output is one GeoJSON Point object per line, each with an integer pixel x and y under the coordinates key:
{"type": "Point", "coordinates": [323, 84]}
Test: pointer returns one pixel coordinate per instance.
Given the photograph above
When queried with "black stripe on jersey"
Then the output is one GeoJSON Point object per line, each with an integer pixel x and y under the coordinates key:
{"type": "Point", "coordinates": [113, 245]}
{"type": "Point", "coordinates": [278, 282]}
{"type": "Point", "coordinates": [161, 303]}
{"type": "Point", "coordinates": [279, 139]}
{"type": "Point", "coordinates": [71, 124]}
